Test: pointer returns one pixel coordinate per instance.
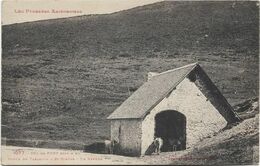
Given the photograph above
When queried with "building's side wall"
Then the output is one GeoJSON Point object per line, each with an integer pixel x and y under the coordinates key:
{"type": "Point", "coordinates": [202, 118]}
{"type": "Point", "coordinates": [128, 133]}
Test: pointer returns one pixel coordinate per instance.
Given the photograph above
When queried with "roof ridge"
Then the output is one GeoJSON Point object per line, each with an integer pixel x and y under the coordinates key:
{"type": "Point", "coordinates": [178, 75]}
{"type": "Point", "coordinates": [171, 70]}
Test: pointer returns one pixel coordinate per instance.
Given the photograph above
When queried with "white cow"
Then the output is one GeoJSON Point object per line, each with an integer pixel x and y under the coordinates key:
{"type": "Point", "coordinates": [109, 146]}
{"type": "Point", "coordinates": [158, 142]}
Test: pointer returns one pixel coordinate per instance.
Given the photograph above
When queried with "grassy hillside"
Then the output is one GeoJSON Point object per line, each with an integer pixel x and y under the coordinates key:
{"type": "Point", "coordinates": [161, 27]}
{"type": "Point", "coordinates": [62, 78]}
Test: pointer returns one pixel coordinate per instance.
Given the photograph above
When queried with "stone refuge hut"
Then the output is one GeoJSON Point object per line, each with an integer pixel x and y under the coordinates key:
{"type": "Point", "coordinates": [180, 104]}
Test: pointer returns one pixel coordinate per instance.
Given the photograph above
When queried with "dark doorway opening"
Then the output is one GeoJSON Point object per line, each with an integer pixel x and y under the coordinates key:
{"type": "Point", "coordinates": [170, 125]}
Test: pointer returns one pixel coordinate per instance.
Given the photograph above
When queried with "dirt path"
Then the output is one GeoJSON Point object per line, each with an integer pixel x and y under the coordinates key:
{"type": "Point", "coordinates": [12, 155]}
{"type": "Point", "coordinates": [22, 155]}
{"type": "Point", "coordinates": [26, 156]}
{"type": "Point", "coordinates": [165, 157]}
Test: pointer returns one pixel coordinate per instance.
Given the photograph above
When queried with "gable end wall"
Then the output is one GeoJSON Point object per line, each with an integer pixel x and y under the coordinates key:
{"type": "Point", "coordinates": [202, 118]}
{"type": "Point", "coordinates": [208, 88]}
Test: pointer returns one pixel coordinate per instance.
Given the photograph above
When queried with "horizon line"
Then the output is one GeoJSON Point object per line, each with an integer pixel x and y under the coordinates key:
{"type": "Point", "coordinates": [74, 16]}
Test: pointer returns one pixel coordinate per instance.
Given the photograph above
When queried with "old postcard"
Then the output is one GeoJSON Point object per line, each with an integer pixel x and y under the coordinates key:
{"type": "Point", "coordinates": [130, 82]}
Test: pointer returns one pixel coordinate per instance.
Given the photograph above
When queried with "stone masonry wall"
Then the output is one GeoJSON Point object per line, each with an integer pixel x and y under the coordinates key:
{"type": "Point", "coordinates": [202, 117]}
{"type": "Point", "coordinates": [128, 133]}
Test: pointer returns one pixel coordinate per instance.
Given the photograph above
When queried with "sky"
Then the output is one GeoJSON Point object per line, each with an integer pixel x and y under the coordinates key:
{"type": "Point", "coordinates": [18, 11]}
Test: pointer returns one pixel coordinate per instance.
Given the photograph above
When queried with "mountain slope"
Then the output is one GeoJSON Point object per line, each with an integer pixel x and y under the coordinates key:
{"type": "Point", "coordinates": [61, 78]}
{"type": "Point", "coordinates": [164, 26]}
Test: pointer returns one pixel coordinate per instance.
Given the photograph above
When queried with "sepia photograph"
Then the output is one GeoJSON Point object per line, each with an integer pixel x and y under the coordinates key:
{"type": "Point", "coordinates": [129, 82]}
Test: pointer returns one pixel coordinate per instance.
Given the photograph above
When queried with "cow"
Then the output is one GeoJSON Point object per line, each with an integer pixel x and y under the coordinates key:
{"type": "Point", "coordinates": [97, 147]}
{"type": "Point", "coordinates": [175, 143]}
{"type": "Point", "coordinates": [104, 147]}
{"type": "Point", "coordinates": [110, 146]}
{"type": "Point", "coordinates": [158, 142]}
